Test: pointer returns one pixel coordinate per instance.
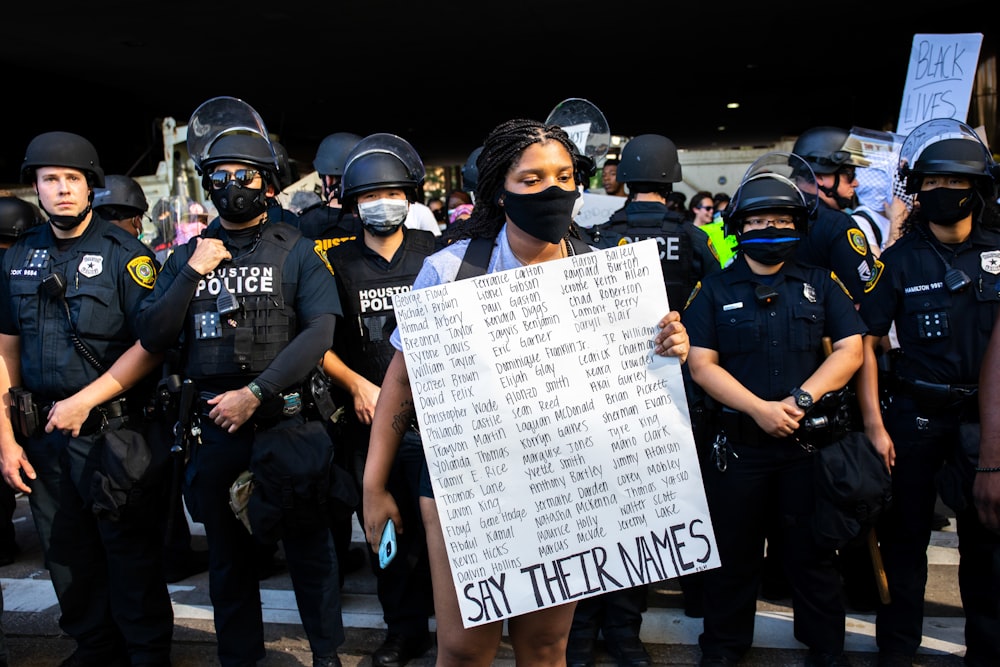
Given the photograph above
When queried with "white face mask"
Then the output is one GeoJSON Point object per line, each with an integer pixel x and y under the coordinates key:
{"type": "Point", "coordinates": [382, 217]}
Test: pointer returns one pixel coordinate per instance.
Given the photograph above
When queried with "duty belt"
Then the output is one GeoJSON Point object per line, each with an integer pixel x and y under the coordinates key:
{"type": "Point", "coordinates": [741, 429]}
{"type": "Point", "coordinates": [933, 395]}
{"type": "Point", "coordinates": [108, 416]}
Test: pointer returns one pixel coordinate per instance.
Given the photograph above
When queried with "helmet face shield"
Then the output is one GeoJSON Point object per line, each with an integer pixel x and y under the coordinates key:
{"type": "Point", "coordinates": [944, 146]}
{"type": "Point", "coordinates": [227, 115]}
{"type": "Point", "coordinates": [775, 181]}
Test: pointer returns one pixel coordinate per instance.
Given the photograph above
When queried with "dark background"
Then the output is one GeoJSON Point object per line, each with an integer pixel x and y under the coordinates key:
{"type": "Point", "coordinates": [442, 74]}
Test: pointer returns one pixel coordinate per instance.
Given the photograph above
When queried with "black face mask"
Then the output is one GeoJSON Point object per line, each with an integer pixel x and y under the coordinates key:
{"type": "Point", "coordinates": [770, 245]}
{"type": "Point", "coordinates": [546, 215]}
{"type": "Point", "coordinates": [69, 222]}
{"type": "Point", "coordinates": [238, 204]}
{"type": "Point", "coordinates": [946, 206]}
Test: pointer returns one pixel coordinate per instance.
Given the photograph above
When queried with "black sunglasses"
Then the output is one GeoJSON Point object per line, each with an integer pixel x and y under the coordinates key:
{"type": "Point", "coordinates": [243, 177]}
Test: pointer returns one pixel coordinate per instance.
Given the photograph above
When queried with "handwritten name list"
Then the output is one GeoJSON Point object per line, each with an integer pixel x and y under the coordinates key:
{"type": "Point", "coordinates": [559, 444]}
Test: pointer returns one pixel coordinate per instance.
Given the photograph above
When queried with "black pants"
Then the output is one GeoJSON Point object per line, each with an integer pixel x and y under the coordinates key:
{"type": "Point", "coordinates": [615, 614]}
{"type": "Point", "coordinates": [767, 484]}
{"type": "Point", "coordinates": [105, 573]}
{"type": "Point", "coordinates": [924, 440]}
{"type": "Point", "coordinates": [233, 582]}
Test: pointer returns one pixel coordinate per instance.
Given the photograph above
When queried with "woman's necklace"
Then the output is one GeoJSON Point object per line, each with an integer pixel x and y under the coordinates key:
{"type": "Point", "coordinates": [565, 250]}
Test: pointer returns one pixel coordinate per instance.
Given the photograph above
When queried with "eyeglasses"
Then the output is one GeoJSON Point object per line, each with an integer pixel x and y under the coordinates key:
{"type": "Point", "coordinates": [761, 223]}
{"type": "Point", "coordinates": [707, 208]}
{"type": "Point", "coordinates": [243, 177]}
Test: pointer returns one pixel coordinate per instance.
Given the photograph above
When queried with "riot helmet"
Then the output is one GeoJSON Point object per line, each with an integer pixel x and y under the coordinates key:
{"type": "Point", "coordinates": [470, 171]}
{"type": "Point", "coordinates": [62, 149]}
{"type": "Point", "coordinates": [649, 158]}
{"type": "Point", "coordinates": [947, 146]}
{"type": "Point", "coordinates": [121, 197]}
{"type": "Point", "coordinates": [243, 147]}
{"type": "Point", "coordinates": [769, 184]}
{"type": "Point", "coordinates": [331, 156]}
{"type": "Point", "coordinates": [382, 161]}
{"type": "Point", "coordinates": [824, 148]}
{"type": "Point", "coordinates": [16, 217]}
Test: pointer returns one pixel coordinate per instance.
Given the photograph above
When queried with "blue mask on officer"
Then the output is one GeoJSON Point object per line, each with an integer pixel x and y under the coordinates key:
{"type": "Point", "coordinates": [770, 245]}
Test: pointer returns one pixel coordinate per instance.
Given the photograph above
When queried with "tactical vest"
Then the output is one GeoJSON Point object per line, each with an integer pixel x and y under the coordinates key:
{"type": "Point", "coordinates": [244, 341]}
{"type": "Point", "coordinates": [367, 299]}
{"type": "Point", "coordinates": [673, 242]}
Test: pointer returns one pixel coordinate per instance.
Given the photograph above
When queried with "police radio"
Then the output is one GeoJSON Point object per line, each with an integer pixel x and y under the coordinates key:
{"type": "Point", "coordinates": [955, 280]}
{"type": "Point", "coordinates": [765, 295]}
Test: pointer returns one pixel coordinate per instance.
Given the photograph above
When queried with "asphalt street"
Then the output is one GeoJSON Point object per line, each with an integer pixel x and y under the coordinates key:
{"type": "Point", "coordinates": [34, 639]}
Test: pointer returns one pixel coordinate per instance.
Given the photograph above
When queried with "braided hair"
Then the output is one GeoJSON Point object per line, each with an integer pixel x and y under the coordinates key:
{"type": "Point", "coordinates": [501, 151]}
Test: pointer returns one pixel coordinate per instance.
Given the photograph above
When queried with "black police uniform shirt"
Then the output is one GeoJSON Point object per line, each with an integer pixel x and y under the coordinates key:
{"type": "Point", "coordinates": [770, 348]}
{"type": "Point", "coordinates": [279, 267]}
{"type": "Point", "coordinates": [328, 228]}
{"type": "Point", "coordinates": [943, 334]}
{"type": "Point", "coordinates": [685, 252]}
{"type": "Point", "coordinates": [835, 242]}
{"type": "Point", "coordinates": [107, 271]}
{"type": "Point", "coordinates": [367, 282]}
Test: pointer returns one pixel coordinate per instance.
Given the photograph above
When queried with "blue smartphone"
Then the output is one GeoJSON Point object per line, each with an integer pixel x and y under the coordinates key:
{"type": "Point", "coordinates": [387, 547]}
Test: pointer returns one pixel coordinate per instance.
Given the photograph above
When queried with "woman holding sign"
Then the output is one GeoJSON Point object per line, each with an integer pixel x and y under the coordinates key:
{"type": "Point", "coordinates": [525, 199]}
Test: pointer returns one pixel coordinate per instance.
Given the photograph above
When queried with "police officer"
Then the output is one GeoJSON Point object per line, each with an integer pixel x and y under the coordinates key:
{"type": "Point", "coordinates": [756, 333]}
{"type": "Point", "coordinates": [123, 202]}
{"type": "Point", "coordinates": [258, 312]}
{"type": "Point", "coordinates": [74, 286]}
{"type": "Point", "coordinates": [328, 223]}
{"type": "Point", "coordinates": [383, 174]}
{"type": "Point", "coordinates": [942, 289]}
{"type": "Point", "coordinates": [16, 217]}
{"type": "Point", "coordinates": [275, 211]}
{"type": "Point", "coordinates": [834, 240]}
{"type": "Point", "coordinates": [649, 167]}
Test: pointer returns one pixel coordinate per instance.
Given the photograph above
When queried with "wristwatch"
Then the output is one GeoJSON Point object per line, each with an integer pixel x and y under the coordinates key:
{"type": "Point", "coordinates": [803, 398]}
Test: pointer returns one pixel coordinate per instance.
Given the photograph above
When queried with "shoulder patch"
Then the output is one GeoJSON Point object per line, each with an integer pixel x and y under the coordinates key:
{"type": "Point", "coordinates": [858, 241]}
{"type": "Point", "coordinates": [833, 276]}
{"type": "Point", "coordinates": [143, 271]}
{"type": "Point", "coordinates": [878, 269]}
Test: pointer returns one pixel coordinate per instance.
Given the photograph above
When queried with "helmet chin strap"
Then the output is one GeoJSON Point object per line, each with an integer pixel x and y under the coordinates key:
{"type": "Point", "coordinates": [842, 202]}
{"type": "Point", "coordinates": [69, 222]}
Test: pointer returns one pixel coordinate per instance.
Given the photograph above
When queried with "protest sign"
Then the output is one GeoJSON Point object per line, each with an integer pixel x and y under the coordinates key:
{"type": "Point", "coordinates": [939, 79]}
{"type": "Point", "coordinates": [559, 445]}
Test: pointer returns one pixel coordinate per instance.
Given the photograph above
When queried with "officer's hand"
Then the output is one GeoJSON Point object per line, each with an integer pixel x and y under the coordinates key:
{"type": "Point", "coordinates": [779, 419]}
{"type": "Point", "coordinates": [231, 409]}
{"type": "Point", "coordinates": [986, 493]}
{"type": "Point", "coordinates": [672, 339]}
{"type": "Point", "coordinates": [883, 444]}
{"type": "Point", "coordinates": [365, 397]}
{"type": "Point", "coordinates": [68, 415]}
{"type": "Point", "coordinates": [12, 461]}
{"type": "Point", "coordinates": [377, 508]}
{"type": "Point", "coordinates": [207, 255]}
